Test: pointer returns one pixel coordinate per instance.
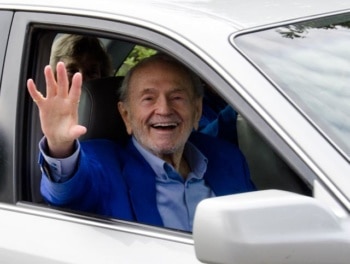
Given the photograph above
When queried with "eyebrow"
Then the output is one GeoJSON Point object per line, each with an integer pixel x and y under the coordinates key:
{"type": "Point", "coordinates": [154, 90]}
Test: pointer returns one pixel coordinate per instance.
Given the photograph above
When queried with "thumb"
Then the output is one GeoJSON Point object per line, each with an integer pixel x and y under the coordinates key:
{"type": "Point", "coordinates": [77, 131]}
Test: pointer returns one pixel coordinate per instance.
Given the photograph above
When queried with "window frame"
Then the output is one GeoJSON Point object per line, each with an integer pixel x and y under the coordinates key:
{"type": "Point", "coordinates": [27, 22]}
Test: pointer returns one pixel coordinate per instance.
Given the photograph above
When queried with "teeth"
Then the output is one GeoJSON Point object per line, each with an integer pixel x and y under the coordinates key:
{"type": "Point", "coordinates": [165, 125]}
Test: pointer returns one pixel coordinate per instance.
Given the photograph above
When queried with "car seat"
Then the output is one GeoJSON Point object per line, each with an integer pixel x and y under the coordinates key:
{"type": "Point", "coordinates": [267, 169]}
{"type": "Point", "coordinates": [98, 109]}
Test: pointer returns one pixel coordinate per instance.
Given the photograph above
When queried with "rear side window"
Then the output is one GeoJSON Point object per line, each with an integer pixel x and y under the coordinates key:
{"type": "Point", "coordinates": [312, 72]}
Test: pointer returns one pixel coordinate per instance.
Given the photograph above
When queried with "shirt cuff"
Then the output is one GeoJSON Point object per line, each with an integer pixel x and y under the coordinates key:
{"type": "Point", "coordinates": [60, 170]}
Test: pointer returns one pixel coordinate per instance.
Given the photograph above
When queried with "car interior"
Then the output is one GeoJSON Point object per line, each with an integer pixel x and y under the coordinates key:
{"type": "Point", "coordinates": [98, 112]}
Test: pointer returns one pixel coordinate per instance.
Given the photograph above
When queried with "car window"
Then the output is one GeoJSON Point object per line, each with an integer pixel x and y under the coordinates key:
{"type": "Point", "coordinates": [310, 63]}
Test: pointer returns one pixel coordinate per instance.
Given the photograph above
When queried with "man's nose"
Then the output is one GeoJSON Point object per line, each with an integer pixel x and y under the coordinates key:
{"type": "Point", "coordinates": [163, 105]}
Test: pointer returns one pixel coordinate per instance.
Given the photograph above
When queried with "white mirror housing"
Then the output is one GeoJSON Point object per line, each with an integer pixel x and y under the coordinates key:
{"type": "Point", "coordinates": [269, 227]}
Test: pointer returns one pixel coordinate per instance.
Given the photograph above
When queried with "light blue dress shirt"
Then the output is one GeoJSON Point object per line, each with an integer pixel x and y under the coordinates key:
{"type": "Point", "coordinates": [177, 198]}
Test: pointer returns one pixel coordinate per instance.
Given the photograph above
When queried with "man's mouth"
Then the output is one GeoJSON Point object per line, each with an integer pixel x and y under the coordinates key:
{"type": "Point", "coordinates": [165, 126]}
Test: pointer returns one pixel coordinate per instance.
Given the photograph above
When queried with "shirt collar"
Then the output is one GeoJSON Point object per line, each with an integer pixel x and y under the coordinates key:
{"type": "Point", "coordinates": [196, 160]}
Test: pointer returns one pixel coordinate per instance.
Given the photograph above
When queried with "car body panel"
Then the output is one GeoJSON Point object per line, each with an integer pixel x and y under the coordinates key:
{"type": "Point", "coordinates": [241, 14]}
{"type": "Point", "coordinates": [202, 35]}
{"type": "Point", "coordinates": [51, 238]}
{"type": "Point", "coordinates": [5, 22]}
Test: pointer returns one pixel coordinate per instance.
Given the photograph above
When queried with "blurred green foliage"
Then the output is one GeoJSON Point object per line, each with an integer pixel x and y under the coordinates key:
{"type": "Point", "coordinates": [136, 55]}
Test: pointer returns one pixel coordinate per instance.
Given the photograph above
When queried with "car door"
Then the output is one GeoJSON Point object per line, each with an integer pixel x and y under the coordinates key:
{"type": "Point", "coordinates": [31, 231]}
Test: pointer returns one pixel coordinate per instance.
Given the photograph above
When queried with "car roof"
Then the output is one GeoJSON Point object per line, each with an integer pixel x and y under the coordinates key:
{"type": "Point", "coordinates": [239, 14]}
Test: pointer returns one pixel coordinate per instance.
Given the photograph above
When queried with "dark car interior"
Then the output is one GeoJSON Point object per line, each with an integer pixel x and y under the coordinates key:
{"type": "Point", "coordinates": [98, 112]}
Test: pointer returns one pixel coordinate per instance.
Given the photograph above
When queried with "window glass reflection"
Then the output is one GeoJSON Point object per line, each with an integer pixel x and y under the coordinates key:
{"type": "Point", "coordinates": [310, 62]}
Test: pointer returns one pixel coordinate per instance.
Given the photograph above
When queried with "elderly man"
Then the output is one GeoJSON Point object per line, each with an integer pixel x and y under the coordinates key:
{"type": "Point", "coordinates": [164, 170]}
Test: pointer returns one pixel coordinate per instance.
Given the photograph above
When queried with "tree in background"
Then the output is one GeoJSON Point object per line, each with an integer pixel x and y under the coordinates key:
{"type": "Point", "coordinates": [136, 55]}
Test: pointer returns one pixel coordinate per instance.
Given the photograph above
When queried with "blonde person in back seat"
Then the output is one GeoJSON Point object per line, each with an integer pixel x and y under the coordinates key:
{"type": "Point", "coordinates": [164, 170]}
{"type": "Point", "coordinates": [80, 53]}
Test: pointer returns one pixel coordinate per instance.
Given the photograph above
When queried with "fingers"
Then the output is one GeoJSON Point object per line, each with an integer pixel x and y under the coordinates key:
{"type": "Point", "coordinates": [34, 93]}
{"type": "Point", "coordinates": [77, 131]}
{"type": "Point", "coordinates": [51, 85]}
{"type": "Point", "coordinates": [75, 90]}
{"type": "Point", "coordinates": [58, 110]}
{"type": "Point", "coordinates": [59, 88]}
{"type": "Point", "coordinates": [62, 80]}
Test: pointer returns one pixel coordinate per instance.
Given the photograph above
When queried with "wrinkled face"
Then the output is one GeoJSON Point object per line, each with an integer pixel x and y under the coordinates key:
{"type": "Point", "coordinates": [161, 110]}
{"type": "Point", "coordinates": [87, 65]}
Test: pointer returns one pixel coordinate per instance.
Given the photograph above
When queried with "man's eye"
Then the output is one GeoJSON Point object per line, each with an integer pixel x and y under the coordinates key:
{"type": "Point", "coordinates": [177, 98]}
{"type": "Point", "coordinates": [147, 98]}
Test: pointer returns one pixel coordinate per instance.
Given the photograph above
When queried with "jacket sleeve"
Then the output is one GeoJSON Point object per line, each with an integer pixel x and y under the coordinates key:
{"type": "Point", "coordinates": [97, 176]}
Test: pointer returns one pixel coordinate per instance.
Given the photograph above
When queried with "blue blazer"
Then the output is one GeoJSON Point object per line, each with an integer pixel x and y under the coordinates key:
{"type": "Point", "coordinates": [116, 181]}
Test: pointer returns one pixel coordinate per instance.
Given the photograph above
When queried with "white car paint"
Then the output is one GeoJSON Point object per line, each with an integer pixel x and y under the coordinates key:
{"type": "Point", "coordinates": [32, 234]}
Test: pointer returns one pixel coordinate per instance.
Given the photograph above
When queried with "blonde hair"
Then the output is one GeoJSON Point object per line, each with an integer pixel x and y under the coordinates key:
{"type": "Point", "coordinates": [75, 46]}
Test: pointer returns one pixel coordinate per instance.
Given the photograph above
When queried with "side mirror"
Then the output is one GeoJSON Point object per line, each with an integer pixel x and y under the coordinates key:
{"type": "Point", "coordinates": [269, 227]}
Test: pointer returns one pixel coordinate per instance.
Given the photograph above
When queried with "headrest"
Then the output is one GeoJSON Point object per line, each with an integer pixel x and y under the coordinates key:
{"type": "Point", "coordinates": [98, 109]}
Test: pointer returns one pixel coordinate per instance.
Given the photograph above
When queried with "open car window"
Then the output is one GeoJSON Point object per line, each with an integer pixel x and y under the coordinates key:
{"type": "Point", "coordinates": [268, 170]}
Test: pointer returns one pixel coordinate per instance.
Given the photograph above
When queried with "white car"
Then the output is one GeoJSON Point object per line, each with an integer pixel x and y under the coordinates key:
{"type": "Point", "coordinates": [284, 66]}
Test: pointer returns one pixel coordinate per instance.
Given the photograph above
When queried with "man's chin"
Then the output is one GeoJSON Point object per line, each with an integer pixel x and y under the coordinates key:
{"type": "Point", "coordinates": [165, 150]}
{"type": "Point", "coordinates": [161, 148]}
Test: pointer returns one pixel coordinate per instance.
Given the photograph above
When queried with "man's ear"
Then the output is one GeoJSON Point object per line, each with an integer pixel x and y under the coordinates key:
{"type": "Point", "coordinates": [198, 107]}
{"type": "Point", "coordinates": [125, 114]}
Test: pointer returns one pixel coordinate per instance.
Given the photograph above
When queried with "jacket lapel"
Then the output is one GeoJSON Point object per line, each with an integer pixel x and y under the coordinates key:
{"type": "Point", "coordinates": [140, 181]}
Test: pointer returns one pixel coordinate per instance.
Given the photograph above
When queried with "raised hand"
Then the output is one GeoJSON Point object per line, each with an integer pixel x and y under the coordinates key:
{"type": "Point", "coordinates": [59, 110]}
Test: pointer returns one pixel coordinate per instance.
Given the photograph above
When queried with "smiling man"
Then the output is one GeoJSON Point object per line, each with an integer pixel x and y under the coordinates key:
{"type": "Point", "coordinates": [165, 169]}
{"type": "Point", "coordinates": [161, 107]}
